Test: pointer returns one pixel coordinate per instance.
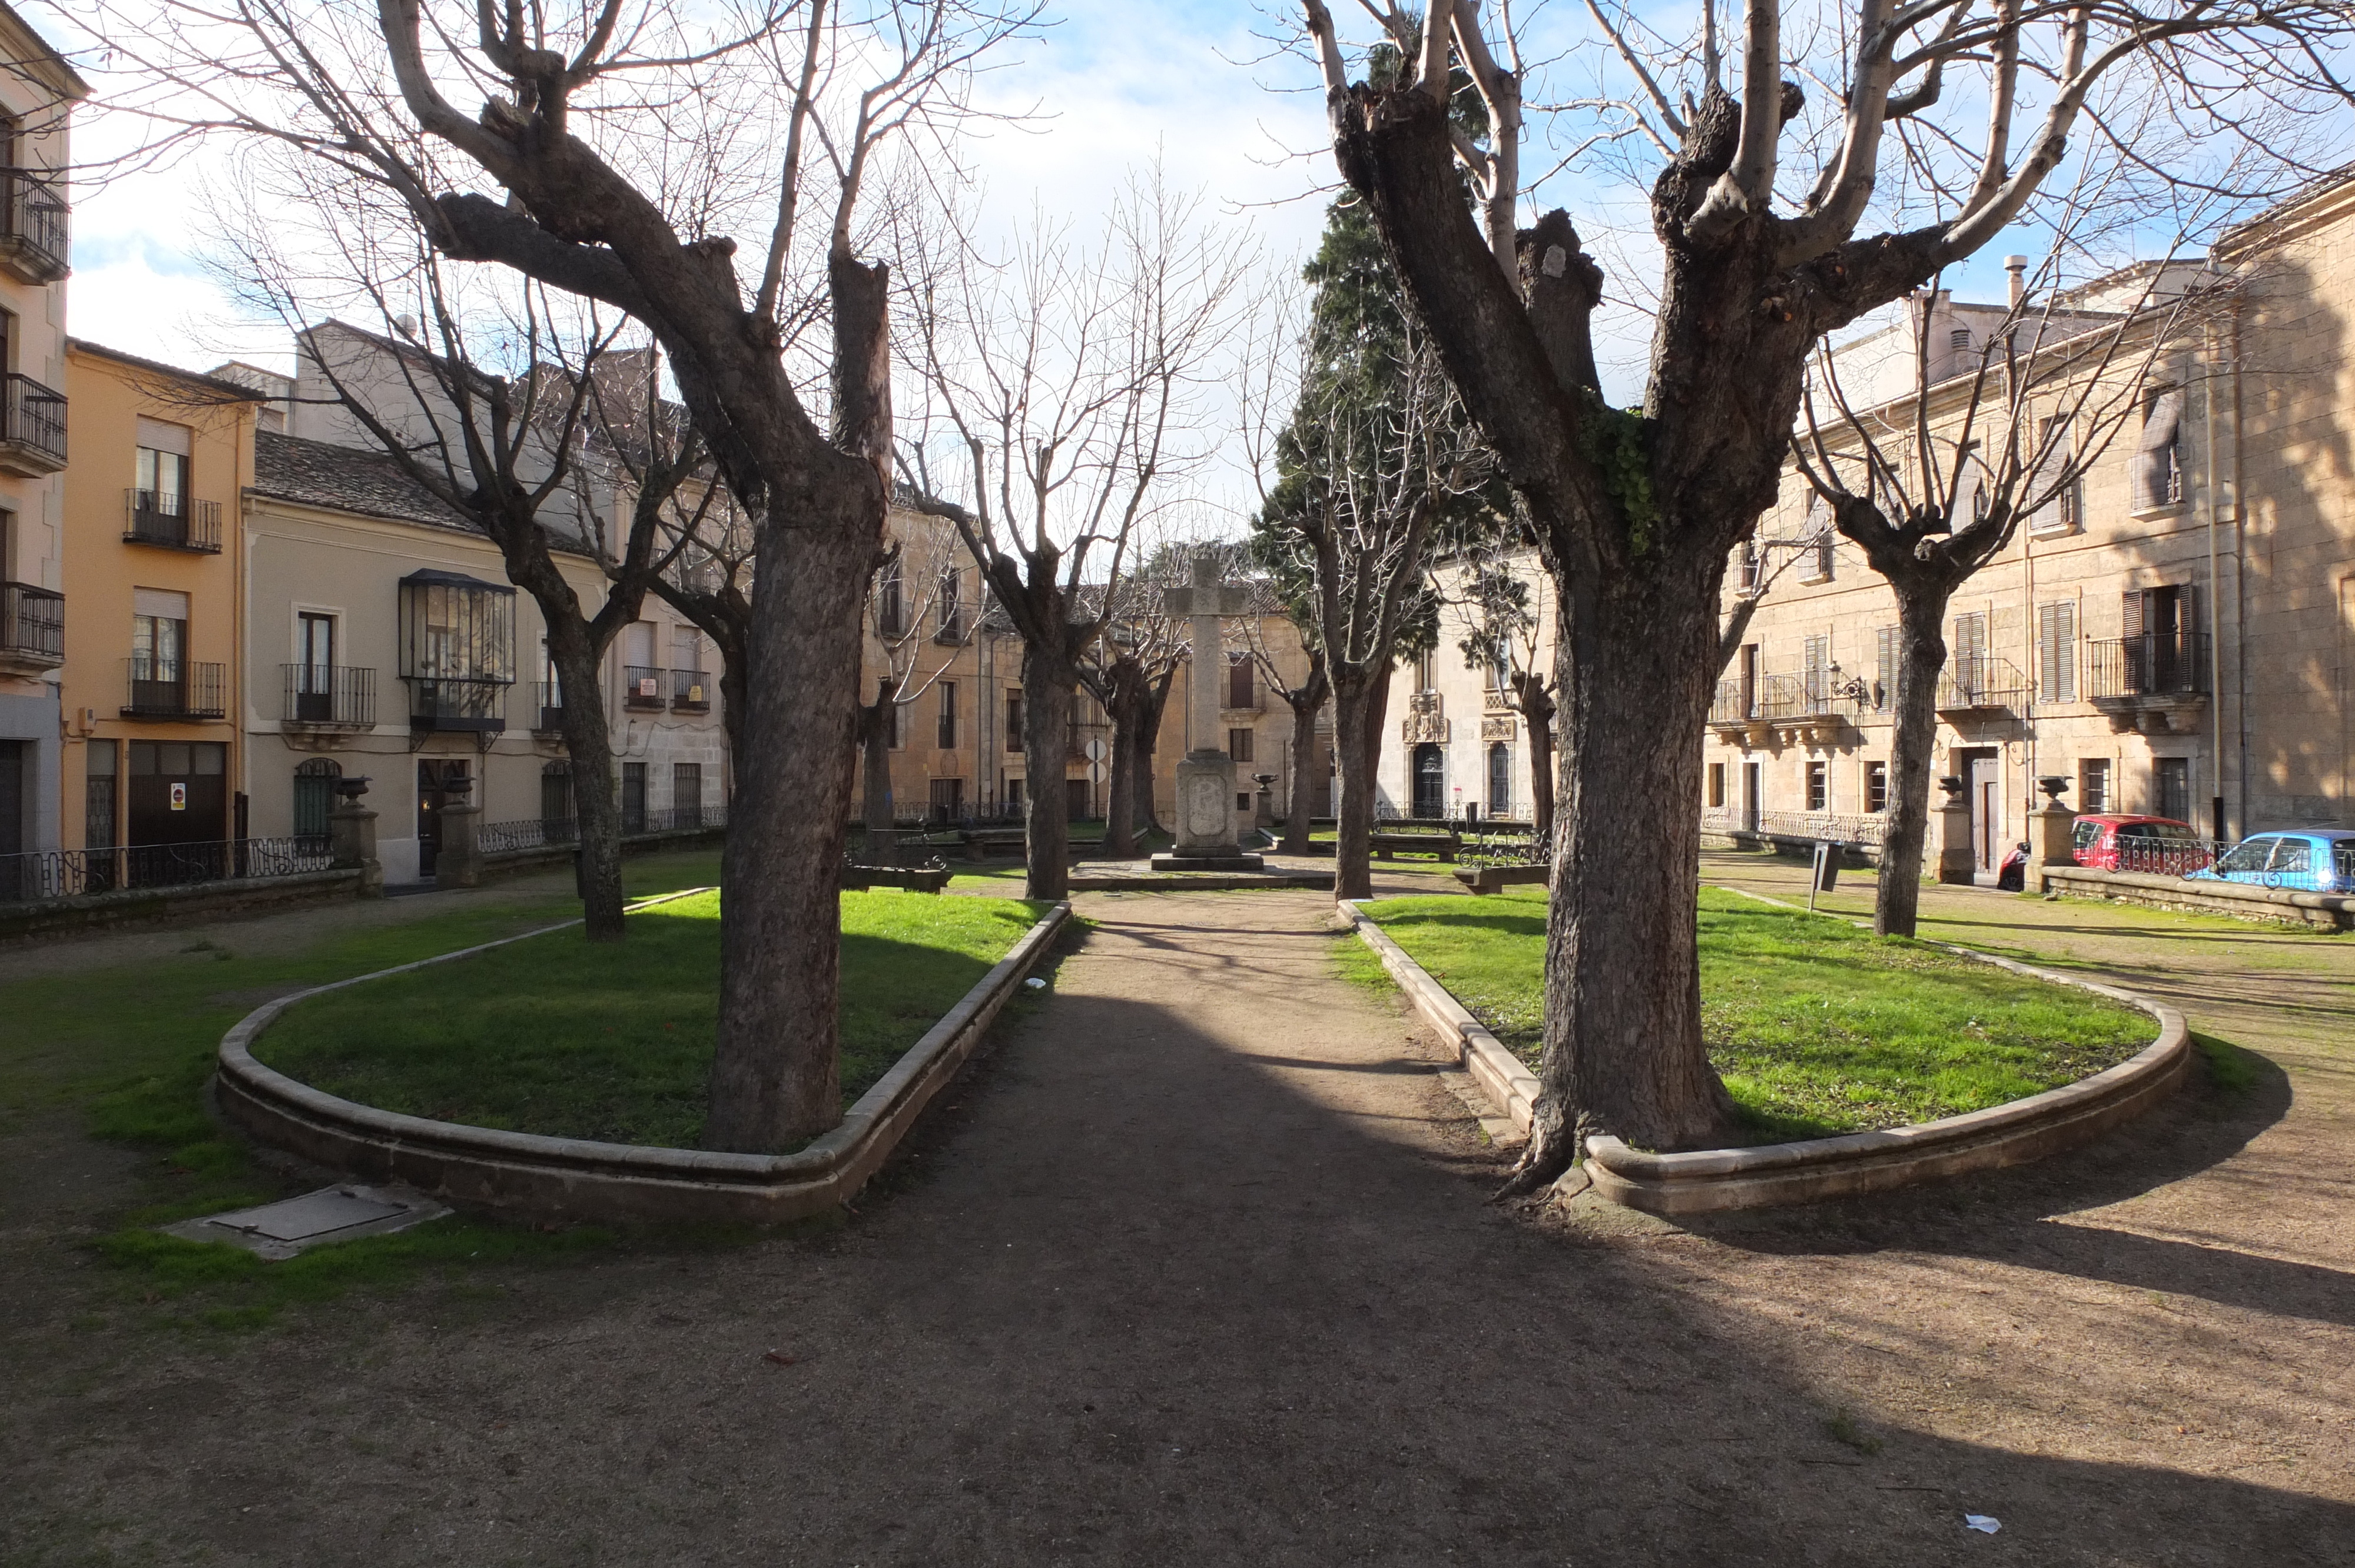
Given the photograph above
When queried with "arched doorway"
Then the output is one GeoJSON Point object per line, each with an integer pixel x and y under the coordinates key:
{"type": "Point", "coordinates": [1500, 779]}
{"type": "Point", "coordinates": [1430, 781]}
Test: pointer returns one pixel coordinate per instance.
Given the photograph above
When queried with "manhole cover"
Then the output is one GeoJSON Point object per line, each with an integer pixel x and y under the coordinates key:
{"type": "Point", "coordinates": [281, 1230]}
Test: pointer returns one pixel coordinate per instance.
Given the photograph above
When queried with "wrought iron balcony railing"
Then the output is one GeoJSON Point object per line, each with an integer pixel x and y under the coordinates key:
{"type": "Point", "coordinates": [1982, 682]}
{"type": "Point", "coordinates": [35, 226]}
{"type": "Point", "coordinates": [331, 696]}
{"type": "Point", "coordinates": [32, 624]}
{"type": "Point", "coordinates": [2155, 664]}
{"type": "Point", "coordinates": [173, 688]}
{"type": "Point", "coordinates": [174, 521]}
{"type": "Point", "coordinates": [690, 691]}
{"type": "Point", "coordinates": [644, 686]}
{"type": "Point", "coordinates": [32, 427]}
{"type": "Point", "coordinates": [547, 706]}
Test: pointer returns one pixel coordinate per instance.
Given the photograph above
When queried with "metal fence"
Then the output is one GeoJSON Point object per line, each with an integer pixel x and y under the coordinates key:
{"type": "Point", "coordinates": [564, 832]}
{"type": "Point", "coordinates": [1844, 827]}
{"type": "Point", "coordinates": [2155, 856]}
{"type": "Point", "coordinates": [65, 874]}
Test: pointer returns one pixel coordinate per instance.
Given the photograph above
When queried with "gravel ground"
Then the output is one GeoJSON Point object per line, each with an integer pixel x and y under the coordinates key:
{"type": "Point", "coordinates": [1195, 1267]}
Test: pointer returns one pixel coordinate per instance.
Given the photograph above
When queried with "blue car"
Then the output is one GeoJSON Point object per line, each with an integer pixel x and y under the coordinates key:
{"type": "Point", "coordinates": [2316, 860]}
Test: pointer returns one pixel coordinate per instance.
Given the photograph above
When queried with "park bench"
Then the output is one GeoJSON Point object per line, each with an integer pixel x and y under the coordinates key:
{"type": "Point", "coordinates": [1389, 845]}
{"type": "Point", "coordinates": [980, 843]}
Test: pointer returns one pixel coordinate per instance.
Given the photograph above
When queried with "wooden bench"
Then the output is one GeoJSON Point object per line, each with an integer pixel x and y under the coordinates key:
{"type": "Point", "coordinates": [981, 843]}
{"type": "Point", "coordinates": [1446, 846]}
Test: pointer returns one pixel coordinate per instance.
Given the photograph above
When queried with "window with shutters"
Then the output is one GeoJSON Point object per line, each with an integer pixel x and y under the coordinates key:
{"type": "Point", "coordinates": [1817, 660]}
{"type": "Point", "coordinates": [1876, 787]}
{"type": "Point", "coordinates": [1014, 720]}
{"type": "Point", "coordinates": [2056, 651]}
{"type": "Point", "coordinates": [2052, 492]}
{"type": "Point", "coordinates": [1754, 565]}
{"type": "Point", "coordinates": [948, 716]}
{"type": "Point", "coordinates": [1967, 654]}
{"type": "Point", "coordinates": [1716, 786]}
{"type": "Point", "coordinates": [2094, 785]}
{"type": "Point", "coordinates": [1818, 787]}
{"type": "Point", "coordinates": [1240, 693]}
{"type": "Point", "coordinates": [1884, 672]}
{"type": "Point", "coordinates": [1815, 543]}
{"type": "Point", "coordinates": [1239, 745]}
{"type": "Point", "coordinates": [2159, 454]}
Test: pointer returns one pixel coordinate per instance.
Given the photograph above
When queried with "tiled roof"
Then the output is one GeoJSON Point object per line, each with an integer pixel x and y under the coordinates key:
{"type": "Point", "coordinates": [344, 479]}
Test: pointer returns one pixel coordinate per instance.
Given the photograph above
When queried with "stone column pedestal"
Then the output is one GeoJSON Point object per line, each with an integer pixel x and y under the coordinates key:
{"type": "Point", "coordinates": [2051, 842]}
{"type": "Point", "coordinates": [1206, 818]}
{"type": "Point", "coordinates": [351, 840]}
{"type": "Point", "coordinates": [1957, 859]}
{"type": "Point", "coordinates": [459, 862]}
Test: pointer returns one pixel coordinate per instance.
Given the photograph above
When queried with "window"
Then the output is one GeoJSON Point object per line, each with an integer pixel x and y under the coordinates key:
{"type": "Point", "coordinates": [1818, 787]}
{"type": "Point", "coordinates": [2053, 488]}
{"type": "Point", "coordinates": [315, 797]}
{"type": "Point", "coordinates": [1500, 779]}
{"type": "Point", "coordinates": [1423, 672]}
{"type": "Point", "coordinates": [99, 795]}
{"type": "Point", "coordinates": [1816, 658]}
{"type": "Point", "coordinates": [457, 649]}
{"type": "Point", "coordinates": [2295, 856]}
{"type": "Point", "coordinates": [1240, 689]}
{"type": "Point", "coordinates": [1239, 745]}
{"type": "Point", "coordinates": [556, 809]}
{"type": "Point", "coordinates": [1876, 787]}
{"type": "Point", "coordinates": [1754, 565]}
{"type": "Point", "coordinates": [2170, 787]}
{"type": "Point", "coordinates": [1967, 654]}
{"type": "Point", "coordinates": [633, 796]}
{"type": "Point", "coordinates": [2094, 785]}
{"type": "Point", "coordinates": [1014, 724]}
{"type": "Point", "coordinates": [159, 635]}
{"type": "Point", "coordinates": [952, 606]}
{"type": "Point", "coordinates": [1716, 786]}
{"type": "Point", "coordinates": [163, 478]}
{"type": "Point", "coordinates": [1884, 668]}
{"type": "Point", "coordinates": [947, 800]}
{"type": "Point", "coordinates": [891, 601]}
{"type": "Point", "coordinates": [2159, 454]}
{"type": "Point", "coordinates": [2244, 857]}
{"type": "Point", "coordinates": [2056, 651]}
{"type": "Point", "coordinates": [948, 716]}
{"type": "Point", "coordinates": [1816, 542]}
{"type": "Point", "coordinates": [686, 794]}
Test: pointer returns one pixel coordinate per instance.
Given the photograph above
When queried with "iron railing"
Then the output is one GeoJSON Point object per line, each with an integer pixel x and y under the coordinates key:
{"type": "Point", "coordinates": [1729, 705]}
{"type": "Point", "coordinates": [66, 874]}
{"type": "Point", "coordinates": [32, 620]}
{"type": "Point", "coordinates": [35, 418]}
{"type": "Point", "coordinates": [645, 687]}
{"type": "Point", "coordinates": [564, 832]}
{"type": "Point", "coordinates": [1786, 697]}
{"type": "Point", "coordinates": [38, 226]}
{"type": "Point", "coordinates": [1840, 827]}
{"type": "Point", "coordinates": [690, 691]}
{"type": "Point", "coordinates": [169, 689]}
{"type": "Point", "coordinates": [173, 521]}
{"type": "Point", "coordinates": [548, 705]}
{"type": "Point", "coordinates": [2155, 664]}
{"type": "Point", "coordinates": [329, 694]}
{"type": "Point", "coordinates": [2163, 856]}
{"type": "Point", "coordinates": [1982, 682]}
{"type": "Point", "coordinates": [444, 702]}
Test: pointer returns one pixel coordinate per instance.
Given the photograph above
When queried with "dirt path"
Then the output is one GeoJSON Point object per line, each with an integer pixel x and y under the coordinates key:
{"type": "Point", "coordinates": [1195, 1268]}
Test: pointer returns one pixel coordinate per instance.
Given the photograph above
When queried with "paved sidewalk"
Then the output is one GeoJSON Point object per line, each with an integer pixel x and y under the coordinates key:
{"type": "Point", "coordinates": [1195, 1268]}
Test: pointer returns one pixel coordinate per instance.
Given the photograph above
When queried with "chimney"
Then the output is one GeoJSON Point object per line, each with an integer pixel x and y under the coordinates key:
{"type": "Point", "coordinates": [2017, 267]}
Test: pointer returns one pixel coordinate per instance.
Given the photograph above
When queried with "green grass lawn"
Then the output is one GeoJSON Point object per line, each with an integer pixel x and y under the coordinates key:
{"type": "Point", "coordinates": [553, 1035]}
{"type": "Point", "coordinates": [1816, 1027]}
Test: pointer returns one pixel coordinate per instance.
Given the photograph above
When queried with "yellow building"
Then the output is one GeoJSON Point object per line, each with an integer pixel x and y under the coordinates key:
{"type": "Point", "coordinates": [154, 556]}
{"type": "Point", "coordinates": [38, 93]}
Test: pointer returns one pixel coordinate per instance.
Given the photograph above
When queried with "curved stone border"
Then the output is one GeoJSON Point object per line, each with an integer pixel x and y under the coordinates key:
{"type": "Point", "coordinates": [1713, 1180]}
{"type": "Point", "coordinates": [576, 1179]}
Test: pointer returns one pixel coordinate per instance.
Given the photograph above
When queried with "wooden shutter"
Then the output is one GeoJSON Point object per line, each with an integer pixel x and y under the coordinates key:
{"type": "Point", "coordinates": [2130, 613]}
{"type": "Point", "coordinates": [1884, 655]}
{"type": "Point", "coordinates": [2056, 651]}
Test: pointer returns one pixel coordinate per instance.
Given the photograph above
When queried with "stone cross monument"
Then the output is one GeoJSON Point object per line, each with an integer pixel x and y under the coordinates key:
{"type": "Point", "coordinates": [1206, 778]}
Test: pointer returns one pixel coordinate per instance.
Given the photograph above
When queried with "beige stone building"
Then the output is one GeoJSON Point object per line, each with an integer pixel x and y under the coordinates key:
{"type": "Point", "coordinates": [38, 93]}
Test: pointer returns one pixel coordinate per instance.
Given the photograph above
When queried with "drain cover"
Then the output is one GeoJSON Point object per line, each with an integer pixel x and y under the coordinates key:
{"type": "Point", "coordinates": [281, 1230]}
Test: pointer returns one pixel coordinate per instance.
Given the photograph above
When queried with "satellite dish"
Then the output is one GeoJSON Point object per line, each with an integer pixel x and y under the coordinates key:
{"type": "Point", "coordinates": [1095, 749]}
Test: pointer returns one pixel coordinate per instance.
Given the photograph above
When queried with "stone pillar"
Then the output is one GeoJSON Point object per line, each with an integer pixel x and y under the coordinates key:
{"type": "Point", "coordinates": [1205, 828]}
{"type": "Point", "coordinates": [1264, 801]}
{"type": "Point", "coordinates": [459, 862]}
{"type": "Point", "coordinates": [351, 836]}
{"type": "Point", "coordinates": [1957, 858]}
{"type": "Point", "coordinates": [2051, 842]}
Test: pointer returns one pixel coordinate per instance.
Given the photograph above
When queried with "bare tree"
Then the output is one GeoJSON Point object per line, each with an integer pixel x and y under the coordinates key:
{"type": "Point", "coordinates": [1130, 671]}
{"type": "Point", "coordinates": [1062, 401]}
{"type": "Point", "coordinates": [1306, 701]}
{"type": "Point", "coordinates": [623, 135]}
{"type": "Point", "coordinates": [1635, 512]}
{"type": "Point", "coordinates": [1937, 483]}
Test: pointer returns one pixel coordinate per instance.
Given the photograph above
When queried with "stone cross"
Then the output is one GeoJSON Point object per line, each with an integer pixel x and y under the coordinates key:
{"type": "Point", "coordinates": [1206, 778]}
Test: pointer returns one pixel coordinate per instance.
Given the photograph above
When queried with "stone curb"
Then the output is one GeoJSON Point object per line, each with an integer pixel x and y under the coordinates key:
{"type": "Point", "coordinates": [2282, 906]}
{"type": "Point", "coordinates": [1498, 1072]}
{"type": "Point", "coordinates": [578, 1178]}
{"type": "Point", "coordinates": [1715, 1180]}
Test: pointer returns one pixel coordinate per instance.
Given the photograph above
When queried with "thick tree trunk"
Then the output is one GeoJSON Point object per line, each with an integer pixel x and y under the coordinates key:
{"type": "Point", "coordinates": [1148, 732]}
{"type": "Point", "coordinates": [1378, 705]}
{"type": "Point", "coordinates": [1046, 745]}
{"type": "Point", "coordinates": [1536, 718]}
{"type": "Point", "coordinates": [1120, 792]}
{"type": "Point", "coordinates": [596, 811]}
{"type": "Point", "coordinates": [774, 1083]}
{"type": "Point", "coordinates": [1921, 660]}
{"type": "Point", "coordinates": [1355, 748]}
{"type": "Point", "coordinates": [874, 734]}
{"type": "Point", "coordinates": [1296, 823]}
{"type": "Point", "coordinates": [1623, 1040]}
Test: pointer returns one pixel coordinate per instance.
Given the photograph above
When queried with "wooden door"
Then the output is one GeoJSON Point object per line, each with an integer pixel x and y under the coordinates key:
{"type": "Point", "coordinates": [435, 775]}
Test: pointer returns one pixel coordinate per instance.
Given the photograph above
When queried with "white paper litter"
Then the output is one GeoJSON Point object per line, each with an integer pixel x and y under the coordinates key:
{"type": "Point", "coordinates": [1985, 1524]}
{"type": "Point", "coordinates": [1035, 983]}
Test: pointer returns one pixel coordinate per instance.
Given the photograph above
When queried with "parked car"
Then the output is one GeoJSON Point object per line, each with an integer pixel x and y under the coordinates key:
{"type": "Point", "coordinates": [2158, 845]}
{"type": "Point", "coordinates": [2309, 860]}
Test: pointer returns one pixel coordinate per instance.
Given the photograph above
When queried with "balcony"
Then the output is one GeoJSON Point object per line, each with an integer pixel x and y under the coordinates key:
{"type": "Point", "coordinates": [2156, 683]}
{"type": "Point", "coordinates": [34, 227]}
{"type": "Point", "coordinates": [1805, 708]}
{"type": "Point", "coordinates": [1731, 706]}
{"type": "Point", "coordinates": [645, 687]}
{"type": "Point", "coordinates": [32, 428]}
{"type": "Point", "coordinates": [690, 691]}
{"type": "Point", "coordinates": [171, 689]}
{"type": "Point", "coordinates": [1980, 685]}
{"type": "Point", "coordinates": [32, 629]}
{"type": "Point", "coordinates": [547, 704]}
{"type": "Point", "coordinates": [327, 697]}
{"type": "Point", "coordinates": [472, 705]}
{"type": "Point", "coordinates": [172, 521]}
